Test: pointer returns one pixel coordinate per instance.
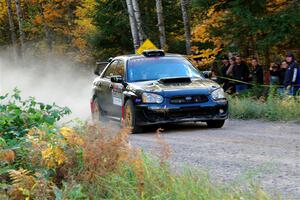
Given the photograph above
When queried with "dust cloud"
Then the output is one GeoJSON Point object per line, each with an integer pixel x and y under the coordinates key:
{"type": "Point", "coordinates": [50, 79]}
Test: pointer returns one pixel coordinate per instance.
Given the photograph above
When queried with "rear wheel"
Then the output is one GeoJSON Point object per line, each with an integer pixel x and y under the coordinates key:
{"type": "Point", "coordinates": [215, 123]}
{"type": "Point", "coordinates": [97, 114]}
{"type": "Point", "coordinates": [130, 117]}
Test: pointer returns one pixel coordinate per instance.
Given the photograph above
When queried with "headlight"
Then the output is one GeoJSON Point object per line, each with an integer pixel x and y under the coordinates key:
{"type": "Point", "coordinates": [218, 94]}
{"type": "Point", "coordinates": [152, 98]}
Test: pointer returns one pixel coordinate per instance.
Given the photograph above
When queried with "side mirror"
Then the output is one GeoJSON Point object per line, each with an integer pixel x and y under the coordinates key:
{"type": "Point", "coordinates": [110, 59]}
{"type": "Point", "coordinates": [207, 74]}
{"type": "Point", "coordinates": [116, 79]}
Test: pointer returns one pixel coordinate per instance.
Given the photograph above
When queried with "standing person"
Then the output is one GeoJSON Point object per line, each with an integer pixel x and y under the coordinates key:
{"type": "Point", "coordinates": [257, 72]}
{"type": "Point", "coordinates": [240, 72]}
{"type": "Point", "coordinates": [283, 67]}
{"type": "Point", "coordinates": [231, 66]}
{"type": "Point", "coordinates": [215, 72]}
{"type": "Point", "coordinates": [274, 73]}
{"type": "Point", "coordinates": [232, 63]}
{"type": "Point", "coordinates": [290, 76]}
{"type": "Point", "coordinates": [214, 69]}
{"type": "Point", "coordinates": [225, 67]}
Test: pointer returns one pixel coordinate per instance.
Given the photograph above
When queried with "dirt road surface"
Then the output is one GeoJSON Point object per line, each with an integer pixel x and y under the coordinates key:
{"type": "Point", "coordinates": [267, 152]}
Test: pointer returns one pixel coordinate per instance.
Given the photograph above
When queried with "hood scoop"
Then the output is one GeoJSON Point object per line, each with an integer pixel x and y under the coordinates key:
{"type": "Point", "coordinates": [175, 80]}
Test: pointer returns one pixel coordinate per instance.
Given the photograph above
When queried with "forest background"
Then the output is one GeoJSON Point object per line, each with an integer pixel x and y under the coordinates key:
{"type": "Point", "coordinates": [90, 30]}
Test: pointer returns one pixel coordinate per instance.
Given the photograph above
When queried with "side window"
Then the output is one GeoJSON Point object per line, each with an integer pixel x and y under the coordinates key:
{"type": "Point", "coordinates": [120, 68]}
{"type": "Point", "coordinates": [111, 69]}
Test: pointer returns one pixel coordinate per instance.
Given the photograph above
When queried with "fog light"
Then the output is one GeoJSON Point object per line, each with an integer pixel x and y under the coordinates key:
{"type": "Point", "coordinates": [221, 111]}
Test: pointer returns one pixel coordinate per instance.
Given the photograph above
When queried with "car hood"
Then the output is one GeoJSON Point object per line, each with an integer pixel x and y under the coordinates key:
{"type": "Point", "coordinates": [195, 86]}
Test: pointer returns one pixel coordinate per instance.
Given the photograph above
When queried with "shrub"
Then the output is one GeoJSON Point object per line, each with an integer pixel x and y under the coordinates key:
{"type": "Point", "coordinates": [18, 116]}
{"type": "Point", "coordinates": [273, 107]}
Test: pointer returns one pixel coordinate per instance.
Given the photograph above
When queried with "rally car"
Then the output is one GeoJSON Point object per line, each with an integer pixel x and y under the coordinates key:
{"type": "Point", "coordinates": [156, 88]}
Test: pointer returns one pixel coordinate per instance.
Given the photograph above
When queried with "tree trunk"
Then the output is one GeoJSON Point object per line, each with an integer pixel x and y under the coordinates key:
{"type": "Point", "coordinates": [48, 36]}
{"type": "Point", "coordinates": [47, 30]}
{"type": "Point", "coordinates": [11, 26]}
{"type": "Point", "coordinates": [161, 24]}
{"type": "Point", "coordinates": [20, 22]}
{"type": "Point", "coordinates": [186, 22]}
{"type": "Point", "coordinates": [137, 15]}
{"type": "Point", "coordinates": [133, 25]}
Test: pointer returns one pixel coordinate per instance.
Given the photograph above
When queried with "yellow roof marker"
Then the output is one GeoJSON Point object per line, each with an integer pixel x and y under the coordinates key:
{"type": "Point", "coordinates": [147, 45]}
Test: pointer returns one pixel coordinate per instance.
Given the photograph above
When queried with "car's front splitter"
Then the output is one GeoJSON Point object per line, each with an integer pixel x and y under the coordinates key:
{"type": "Point", "coordinates": [155, 114]}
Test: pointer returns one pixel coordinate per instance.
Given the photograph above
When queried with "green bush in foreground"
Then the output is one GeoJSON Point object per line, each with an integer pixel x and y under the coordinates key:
{"type": "Point", "coordinates": [18, 116]}
{"type": "Point", "coordinates": [274, 108]}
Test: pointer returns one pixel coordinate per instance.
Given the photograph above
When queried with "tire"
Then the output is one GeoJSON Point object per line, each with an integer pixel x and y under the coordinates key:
{"type": "Point", "coordinates": [130, 118]}
{"type": "Point", "coordinates": [97, 114]}
{"type": "Point", "coordinates": [215, 123]}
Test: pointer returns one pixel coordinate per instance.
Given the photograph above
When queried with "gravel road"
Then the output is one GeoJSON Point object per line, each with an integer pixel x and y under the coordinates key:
{"type": "Point", "coordinates": [268, 152]}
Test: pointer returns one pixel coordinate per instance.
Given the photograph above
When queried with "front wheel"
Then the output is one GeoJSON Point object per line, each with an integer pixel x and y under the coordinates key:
{"type": "Point", "coordinates": [130, 117]}
{"type": "Point", "coordinates": [215, 123]}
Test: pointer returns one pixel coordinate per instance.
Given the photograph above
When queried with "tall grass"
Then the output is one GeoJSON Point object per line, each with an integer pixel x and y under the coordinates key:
{"type": "Point", "coordinates": [273, 107]}
{"type": "Point", "coordinates": [158, 182]}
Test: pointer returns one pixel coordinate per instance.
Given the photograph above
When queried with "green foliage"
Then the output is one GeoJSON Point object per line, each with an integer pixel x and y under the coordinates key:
{"type": "Point", "coordinates": [18, 116]}
{"type": "Point", "coordinates": [274, 108]}
{"type": "Point", "coordinates": [113, 31]}
{"type": "Point", "coordinates": [159, 182]}
{"type": "Point", "coordinates": [255, 27]}
{"type": "Point", "coordinates": [72, 191]}
{"type": "Point", "coordinates": [113, 34]}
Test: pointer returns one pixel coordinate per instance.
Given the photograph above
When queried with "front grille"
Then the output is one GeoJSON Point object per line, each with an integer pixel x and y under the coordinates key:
{"type": "Point", "coordinates": [189, 99]}
{"type": "Point", "coordinates": [191, 113]}
{"type": "Point", "coordinates": [178, 114]}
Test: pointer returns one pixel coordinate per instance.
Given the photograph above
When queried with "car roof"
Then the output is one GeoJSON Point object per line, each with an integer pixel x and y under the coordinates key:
{"type": "Point", "coordinates": [136, 56]}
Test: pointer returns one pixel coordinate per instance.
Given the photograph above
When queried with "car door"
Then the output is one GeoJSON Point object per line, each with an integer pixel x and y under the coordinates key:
{"type": "Point", "coordinates": [104, 87]}
{"type": "Point", "coordinates": [117, 91]}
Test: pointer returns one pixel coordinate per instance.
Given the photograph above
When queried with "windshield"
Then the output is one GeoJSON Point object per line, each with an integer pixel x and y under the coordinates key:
{"type": "Point", "coordinates": [155, 68]}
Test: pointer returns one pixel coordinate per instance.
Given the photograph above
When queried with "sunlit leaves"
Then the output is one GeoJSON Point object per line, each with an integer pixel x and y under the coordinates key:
{"type": "Point", "coordinates": [248, 27]}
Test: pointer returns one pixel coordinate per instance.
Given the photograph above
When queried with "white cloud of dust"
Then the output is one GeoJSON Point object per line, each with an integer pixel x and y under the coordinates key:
{"type": "Point", "coordinates": [49, 79]}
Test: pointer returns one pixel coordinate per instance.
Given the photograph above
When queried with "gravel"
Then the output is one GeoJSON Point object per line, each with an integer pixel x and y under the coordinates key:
{"type": "Point", "coordinates": [266, 152]}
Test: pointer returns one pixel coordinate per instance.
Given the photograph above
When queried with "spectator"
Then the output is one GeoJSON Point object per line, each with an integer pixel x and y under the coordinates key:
{"type": "Point", "coordinates": [215, 72]}
{"type": "Point", "coordinates": [282, 70]}
{"type": "Point", "coordinates": [232, 63]}
{"type": "Point", "coordinates": [225, 67]}
{"type": "Point", "coordinates": [257, 72]}
{"type": "Point", "coordinates": [240, 72]}
{"type": "Point", "coordinates": [214, 69]}
{"type": "Point", "coordinates": [290, 76]}
{"type": "Point", "coordinates": [274, 73]}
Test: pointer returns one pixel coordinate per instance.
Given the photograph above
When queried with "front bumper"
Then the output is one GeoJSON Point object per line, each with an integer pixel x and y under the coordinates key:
{"type": "Point", "coordinates": [148, 114]}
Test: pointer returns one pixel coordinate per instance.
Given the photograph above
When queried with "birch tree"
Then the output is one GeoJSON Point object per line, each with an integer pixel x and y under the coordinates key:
{"type": "Point", "coordinates": [161, 25]}
{"type": "Point", "coordinates": [137, 15]}
{"type": "Point", "coordinates": [186, 22]}
{"type": "Point", "coordinates": [20, 22]}
{"type": "Point", "coordinates": [133, 25]}
{"type": "Point", "coordinates": [11, 25]}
